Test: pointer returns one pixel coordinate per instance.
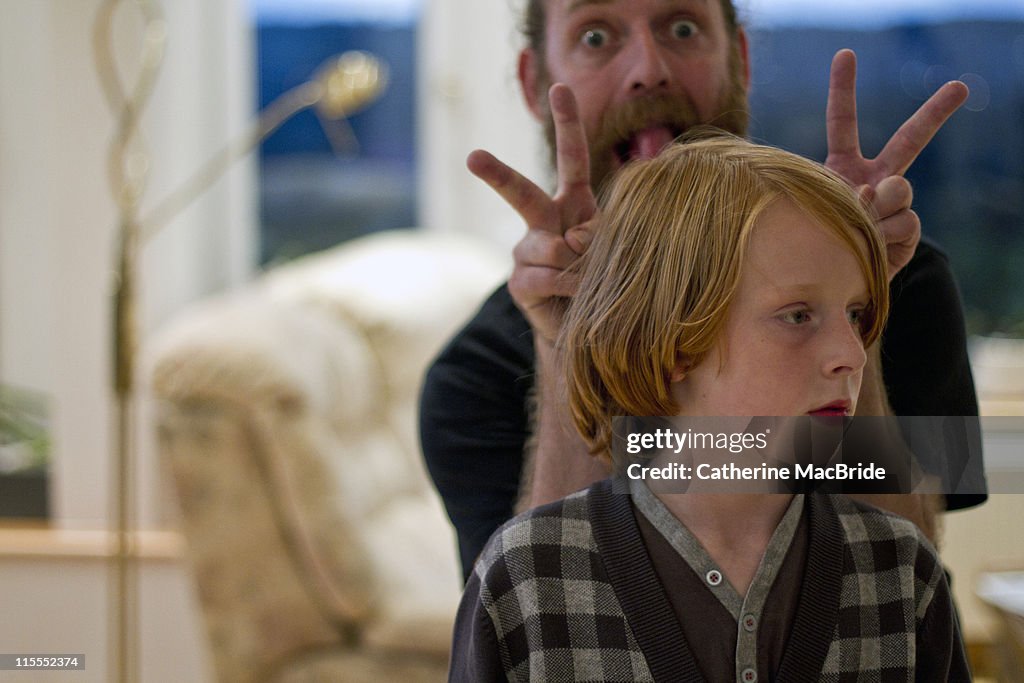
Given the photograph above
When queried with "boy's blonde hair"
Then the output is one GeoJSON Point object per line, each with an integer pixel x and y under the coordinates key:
{"type": "Point", "coordinates": [665, 263]}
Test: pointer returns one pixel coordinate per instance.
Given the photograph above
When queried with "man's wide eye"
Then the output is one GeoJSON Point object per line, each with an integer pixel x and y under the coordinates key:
{"type": "Point", "coordinates": [594, 37]}
{"type": "Point", "coordinates": [684, 28]}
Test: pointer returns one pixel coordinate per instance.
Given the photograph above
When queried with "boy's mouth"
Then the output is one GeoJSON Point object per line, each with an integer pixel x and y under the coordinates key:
{"type": "Point", "coordinates": [840, 408]}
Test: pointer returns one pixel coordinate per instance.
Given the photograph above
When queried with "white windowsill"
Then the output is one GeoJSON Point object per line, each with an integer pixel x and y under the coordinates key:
{"type": "Point", "coordinates": [38, 543]}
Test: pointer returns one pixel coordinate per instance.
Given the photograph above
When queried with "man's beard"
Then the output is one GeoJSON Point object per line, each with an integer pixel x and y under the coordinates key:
{"type": "Point", "coordinates": [609, 147]}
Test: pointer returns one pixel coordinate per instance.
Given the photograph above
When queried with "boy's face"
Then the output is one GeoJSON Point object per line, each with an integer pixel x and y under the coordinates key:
{"type": "Point", "coordinates": [791, 344]}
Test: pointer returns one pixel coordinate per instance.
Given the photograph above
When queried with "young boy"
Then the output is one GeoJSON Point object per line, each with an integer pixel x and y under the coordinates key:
{"type": "Point", "coordinates": [725, 279]}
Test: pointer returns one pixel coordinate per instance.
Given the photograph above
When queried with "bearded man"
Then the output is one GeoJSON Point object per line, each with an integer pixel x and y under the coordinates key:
{"type": "Point", "coordinates": [615, 80]}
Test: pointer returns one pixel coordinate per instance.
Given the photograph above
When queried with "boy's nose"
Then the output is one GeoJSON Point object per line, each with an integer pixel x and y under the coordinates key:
{"type": "Point", "coordinates": [844, 350]}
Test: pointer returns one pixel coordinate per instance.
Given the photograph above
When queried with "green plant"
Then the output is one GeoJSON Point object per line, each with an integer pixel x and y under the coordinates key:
{"type": "Point", "coordinates": [24, 429]}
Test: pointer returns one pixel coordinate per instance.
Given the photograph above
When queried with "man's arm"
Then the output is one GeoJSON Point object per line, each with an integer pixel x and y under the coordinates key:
{"type": "Point", "coordinates": [558, 231]}
{"type": "Point", "coordinates": [557, 461]}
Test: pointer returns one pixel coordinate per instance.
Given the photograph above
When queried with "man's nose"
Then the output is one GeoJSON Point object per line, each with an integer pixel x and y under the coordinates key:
{"type": "Point", "coordinates": [843, 352]}
{"type": "Point", "coordinates": [648, 65]}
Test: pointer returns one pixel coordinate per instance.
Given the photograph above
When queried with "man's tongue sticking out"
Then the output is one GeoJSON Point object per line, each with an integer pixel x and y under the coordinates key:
{"type": "Point", "coordinates": [647, 143]}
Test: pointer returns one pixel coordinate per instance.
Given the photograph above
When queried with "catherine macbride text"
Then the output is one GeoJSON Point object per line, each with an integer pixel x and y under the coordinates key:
{"type": "Point", "coordinates": [779, 453]}
{"type": "Point", "coordinates": [704, 451]}
{"type": "Point", "coordinates": [764, 472]}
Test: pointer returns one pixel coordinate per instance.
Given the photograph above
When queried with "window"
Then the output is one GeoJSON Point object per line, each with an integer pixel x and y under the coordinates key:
{"type": "Point", "coordinates": [323, 182]}
{"type": "Point", "coordinates": [969, 182]}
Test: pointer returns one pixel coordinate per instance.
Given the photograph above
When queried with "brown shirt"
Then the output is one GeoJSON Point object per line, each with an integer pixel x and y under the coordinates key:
{"type": "Point", "coordinates": [733, 637]}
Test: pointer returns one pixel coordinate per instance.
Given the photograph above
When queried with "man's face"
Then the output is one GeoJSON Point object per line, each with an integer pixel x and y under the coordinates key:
{"type": "Point", "coordinates": [642, 71]}
{"type": "Point", "coordinates": [791, 344]}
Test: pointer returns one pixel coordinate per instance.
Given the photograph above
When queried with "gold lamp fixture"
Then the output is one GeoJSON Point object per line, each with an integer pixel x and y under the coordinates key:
{"type": "Point", "coordinates": [348, 83]}
{"type": "Point", "coordinates": [341, 86]}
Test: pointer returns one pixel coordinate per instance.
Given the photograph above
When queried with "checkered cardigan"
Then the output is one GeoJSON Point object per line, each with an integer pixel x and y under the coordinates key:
{"type": "Point", "coordinates": [567, 592]}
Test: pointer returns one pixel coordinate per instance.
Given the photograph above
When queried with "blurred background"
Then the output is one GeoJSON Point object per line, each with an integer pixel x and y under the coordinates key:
{"type": "Point", "coordinates": [314, 184]}
{"type": "Point", "coordinates": [969, 182]}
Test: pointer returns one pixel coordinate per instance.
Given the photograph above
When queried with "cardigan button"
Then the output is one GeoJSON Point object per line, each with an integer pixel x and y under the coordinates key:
{"type": "Point", "coordinates": [748, 676]}
{"type": "Point", "coordinates": [714, 577]}
{"type": "Point", "coordinates": [749, 623]}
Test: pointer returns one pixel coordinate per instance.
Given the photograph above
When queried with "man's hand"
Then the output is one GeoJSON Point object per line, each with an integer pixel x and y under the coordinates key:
{"type": "Point", "coordinates": [890, 203]}
{"type": "Point", "coordinates": [558, 232]}
{"type": "Point", "coordinates": [886, 190]}
{"type": "Point", "coordinates": [558, 227]}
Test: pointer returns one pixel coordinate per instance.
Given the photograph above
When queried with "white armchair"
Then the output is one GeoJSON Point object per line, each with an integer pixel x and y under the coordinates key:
{"type": "Point", "coordinates": [287, 414]}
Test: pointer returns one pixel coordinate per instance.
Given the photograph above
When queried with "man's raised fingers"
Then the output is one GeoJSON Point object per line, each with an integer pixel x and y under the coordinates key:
{"type": "Point", "coordinates": [571, 155]}
{"type": "Point", "coordinates": [531, 287]}
{"type": "Point", "coordinates": [902, 229]}
{"type": "Point", "coordinates": [539, 248]}
{"type": "Point", "coordinates": [892, 195]}
{"type": "Point", "coordinates": [841, 110]}
{"type": "Point", "coordinates": [529, 201]}
{"type": "Point", "coordinates": [580, 237]}
{"type": "Point", "coordinates": [907, 142]}
{"type": "Point", "coordinates": [901, 233]}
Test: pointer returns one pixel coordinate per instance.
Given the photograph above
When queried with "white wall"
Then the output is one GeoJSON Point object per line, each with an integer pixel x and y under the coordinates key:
{"type": "Point", "coordinates": [469, 98]}
{"type": "Point", "coordinates": [57, 217]}
{"type": "Point", "coordinates": [58, 605]}
{"type": "Point", "coordinates": [27, 222]}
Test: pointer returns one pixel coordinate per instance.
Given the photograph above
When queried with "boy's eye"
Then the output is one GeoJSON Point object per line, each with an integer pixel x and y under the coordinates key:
{"type": "Point", "coordinates": [796, 317]}
{"type": "Point", "coordinates": [595, 37]}
{"type": "Point", "coordinates": [856, 316]}
{"type": "Point", "coordinates": [684, 28]}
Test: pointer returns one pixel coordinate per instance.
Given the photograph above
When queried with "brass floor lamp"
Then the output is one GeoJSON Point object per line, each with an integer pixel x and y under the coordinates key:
{"type": "Point", "coordinates": [340, 87]}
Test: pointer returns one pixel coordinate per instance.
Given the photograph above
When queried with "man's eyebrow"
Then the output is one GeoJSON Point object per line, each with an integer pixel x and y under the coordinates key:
{"type": "Point", "coordinates": [577, 4]}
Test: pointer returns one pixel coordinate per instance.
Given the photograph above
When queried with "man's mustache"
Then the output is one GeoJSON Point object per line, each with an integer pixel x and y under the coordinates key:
{"type": "Point", "coordinates": [676, 113]}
